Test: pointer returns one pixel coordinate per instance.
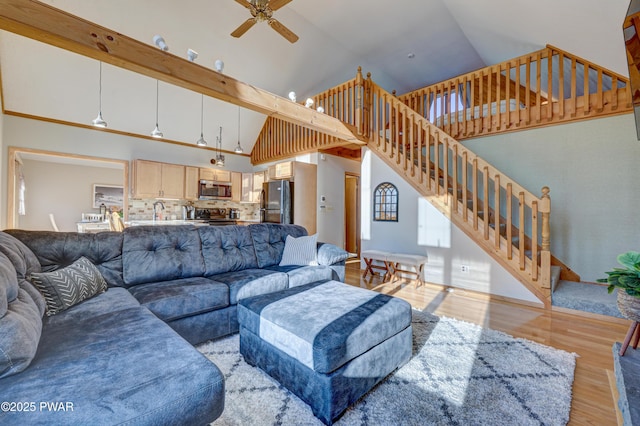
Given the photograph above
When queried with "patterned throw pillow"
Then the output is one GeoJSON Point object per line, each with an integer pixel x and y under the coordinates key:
{"type": "Point", "coordinates": [300, 251]}
{"type": "Point", "coordinates": [69, 286]}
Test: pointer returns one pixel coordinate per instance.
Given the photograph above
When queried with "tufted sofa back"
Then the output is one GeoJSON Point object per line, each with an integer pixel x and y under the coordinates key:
{"type": "Point", "coordinates": [226, 249]}
{"type": "Point", "coordinates": [55, 250]}
{"type": "Point", "coordinates": [269, 239]}
{"type": "Point", "coordinates": [161, 253]}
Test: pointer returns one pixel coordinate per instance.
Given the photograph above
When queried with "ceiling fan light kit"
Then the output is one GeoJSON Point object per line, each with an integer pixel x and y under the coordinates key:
{"type": "Point", "coordinates": [262, 11]}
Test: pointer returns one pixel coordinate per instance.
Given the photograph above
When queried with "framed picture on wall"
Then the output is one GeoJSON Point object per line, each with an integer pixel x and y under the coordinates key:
{"type": "Point", "coordinates": [109, 195]}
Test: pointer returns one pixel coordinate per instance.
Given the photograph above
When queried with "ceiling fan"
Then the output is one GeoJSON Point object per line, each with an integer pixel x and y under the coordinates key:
{"type": "Point", "coordinates": [262, 10]}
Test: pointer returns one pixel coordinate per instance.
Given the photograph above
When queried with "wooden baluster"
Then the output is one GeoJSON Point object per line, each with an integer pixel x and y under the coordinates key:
{"type": "Point", "coordinates": [521, 224]}
{"type": "Point", "coordinates": [574, 88]}
{"type": "Point", "coordinates": [538, 86]}
{"type": "Point", "coordinates": [472, 106]}
{"type": "Point", "coordinates": [474, 193]}
{"type": "Point", "coordinates": [496, 211]}
{"type": "Point", "coordinates": [429, 137]}
{"type": "Point", "coordinates": [445, 169]}
{"type": "Point", "coordinates": [456, 110]}
{"type": "Point", "coordinates": [465, 185]}
{"type": "Point", "coordinates": [485, 201]}
{"type": "Point", "coordinates": [454, 175]}
{"type": "Point", "coordinates": [498, 117]}
{"type": "Point", "coordinates": [599, 93]}
{"type": "Point", "coordinates": [509, 224]}
{"type": "Point", "coordinates": [465, 89]}
{"type": "Point", "coordinates": [436, 161]}
{"type": "Point", "coordinates": [396, 133]}
{"type": "Point", "coordinates": [549, 85]}
{"type": "Point", "coordinates": [385, 122]}
{"type": "Point", "coordinates": [517, 88]}
{"type": "Point", "coordinates": [420, 129]}
{"type": "Point", "coordinates": [489, 113]}
{"type": "Point", "coordinates": [528, 91]}
{"type": "Point", "coordinates": [614, 93]}
{"type": "Point", "coordinates": [411, 141]}
{"type": "Point", "coordinates": [586, 101]}
{"type": "Point", "coordinates": [561, 85]}
{"type": "Point", "coordinates": [507, 102]}
{"type": "Point", "coordinates": [534, 240]}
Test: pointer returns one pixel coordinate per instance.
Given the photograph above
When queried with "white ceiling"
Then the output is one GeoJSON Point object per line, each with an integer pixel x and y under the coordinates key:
{"type": "Point", "coordinates": [448, 38]}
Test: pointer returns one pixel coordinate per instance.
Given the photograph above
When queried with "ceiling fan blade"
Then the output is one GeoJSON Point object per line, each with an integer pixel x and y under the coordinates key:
{"type": "Point", "coordinates": [245, 3]}
{"type": "Point", "coordinates": [277, 4]}
{"type": "Point", "coordinates": [283, 31]}
{"type": "Point", "coordinates": [244, 27]}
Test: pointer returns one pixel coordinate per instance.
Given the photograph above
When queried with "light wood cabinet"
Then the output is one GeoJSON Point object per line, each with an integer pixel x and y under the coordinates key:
{"type": "Point", "coordinates": [258, 179]}
{"type": "Point", "coordinates": [215, 175]}
{"type": "Point", "coordinates": [158, 180]}
{"type": "Point", "coordinates": [246, 195]}
{"type": "Point", "coordinates": [236, 186]}
{"type": "Point", "coordinates": [191, 175]}
{"type": "Point", "coordinates": [282, 170]}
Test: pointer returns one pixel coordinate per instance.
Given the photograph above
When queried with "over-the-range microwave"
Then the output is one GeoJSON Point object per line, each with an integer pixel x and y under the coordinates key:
{"type": "Point", "coordinates": [211, 189]}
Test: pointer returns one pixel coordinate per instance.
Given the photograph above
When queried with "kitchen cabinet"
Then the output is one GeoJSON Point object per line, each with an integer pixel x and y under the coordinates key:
{"type": "Point", "coordinates": [215, 175]}
{"type": "Point", "coordinates": [246, 195]}
{"type": "Point", "coordinates": [191, 175]}
{"type": "Point", "coordinates": [282, 170]}
{"type": "Point", "coordinates": [158, 180]}
{"type": "Point", "coordinates": [258, 179]}
{"type": "Point", "coordinates": [236, 186]}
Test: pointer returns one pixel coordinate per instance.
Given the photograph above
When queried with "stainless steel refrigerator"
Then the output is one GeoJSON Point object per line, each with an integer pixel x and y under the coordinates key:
{"type": "Point", "coordinates": [276, 202]}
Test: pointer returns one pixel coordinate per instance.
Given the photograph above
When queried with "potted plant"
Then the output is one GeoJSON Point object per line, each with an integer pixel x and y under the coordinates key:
{"type": "Point", "coordinates": [627, 280]}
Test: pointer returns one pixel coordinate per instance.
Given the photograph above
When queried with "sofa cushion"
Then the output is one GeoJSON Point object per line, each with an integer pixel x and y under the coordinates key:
{"type": "Point", "coordinates": [20, 322]}
{"type": "Point", "coordinates": [269, 240]}
{"type": "Point", "coordinates": [299, 275]}
{"type": "Point", "coordinates": [226, 249]}
{"type": "Point", "coordinates": [123, 367]}
{"type": "Point", "coordinates": [171, 300]}
{"type": "Point", "coordinates": [161, 253]}
{"type": "Point", "coordinates": [300, 251]}
{"type": "Point", "coordinates": [66, 287]}
{"type": "Point", "coordinates": [25, 263]}
{"type": "Point", "coordinates": [55, 250]}
{"type": "Point", "coordinates": [251, 282]}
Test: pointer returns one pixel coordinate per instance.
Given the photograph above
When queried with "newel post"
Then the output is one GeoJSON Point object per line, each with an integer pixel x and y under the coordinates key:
{"type": "Point", "coordinates": [359, 101]}
{"type": "Point", "coordinates": [545, 254]}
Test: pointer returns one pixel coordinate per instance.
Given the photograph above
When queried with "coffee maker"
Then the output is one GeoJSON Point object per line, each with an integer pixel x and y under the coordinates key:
{"type": "Point", "coordinates": [188, 212]}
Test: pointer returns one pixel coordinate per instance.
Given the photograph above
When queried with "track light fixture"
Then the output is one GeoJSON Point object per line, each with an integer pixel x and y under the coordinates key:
{"type": "Point", "coordinates": [159, 41]}
{"type": "Point", "coordinates": [219, 65]}
{"type": "Point", "coordinates": [191, 55]}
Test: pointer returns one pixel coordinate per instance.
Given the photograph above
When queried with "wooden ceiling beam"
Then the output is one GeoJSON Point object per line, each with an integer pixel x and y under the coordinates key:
{"type": "Point", "coordinates": [53, 26]}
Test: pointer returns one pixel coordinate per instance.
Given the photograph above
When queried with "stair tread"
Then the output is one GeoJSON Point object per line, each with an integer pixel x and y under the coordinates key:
{"type": "Point", "coordinates": [585, 297]}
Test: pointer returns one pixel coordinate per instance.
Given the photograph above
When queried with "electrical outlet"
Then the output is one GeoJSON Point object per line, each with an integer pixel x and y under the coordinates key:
{"type": "Point", "coordinates": [464, 269]}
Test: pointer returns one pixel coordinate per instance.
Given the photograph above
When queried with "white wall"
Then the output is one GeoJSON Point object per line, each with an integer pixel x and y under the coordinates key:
{"type": "Point", "coordinates": [331, 220]}
{"type": "Point", "coordinates": [421, 229]}
{"type": "Point", "coordinates": [592, 169]}
{"type": "Point", "coordinates": [66, 190]}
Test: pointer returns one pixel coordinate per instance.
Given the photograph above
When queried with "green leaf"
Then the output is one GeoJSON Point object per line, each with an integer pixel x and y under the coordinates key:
{"type": "Point", "coordinates": [631, 260]}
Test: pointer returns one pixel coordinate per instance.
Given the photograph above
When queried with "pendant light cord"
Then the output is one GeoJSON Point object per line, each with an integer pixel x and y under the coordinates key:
{"type": "Point", "coordinates": [157, 100]}
{"type": "Point", "coordinates": [100, 90]}
{"type": "Point", "coordinates": [201, 114]}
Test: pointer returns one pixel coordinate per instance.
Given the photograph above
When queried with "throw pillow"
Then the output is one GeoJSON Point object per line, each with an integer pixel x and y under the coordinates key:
{"type": "Point", "coordinates": [300, 251]}
{"type": "Point", "coordinates": [69, 286]}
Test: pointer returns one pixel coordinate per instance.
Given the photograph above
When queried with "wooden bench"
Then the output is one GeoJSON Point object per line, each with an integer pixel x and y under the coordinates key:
{"type": "Point", "coordinates": [392, 264]}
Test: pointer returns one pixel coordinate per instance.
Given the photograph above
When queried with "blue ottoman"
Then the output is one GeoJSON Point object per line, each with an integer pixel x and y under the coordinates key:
{"type": "Point", "coordinates": [327, 342]}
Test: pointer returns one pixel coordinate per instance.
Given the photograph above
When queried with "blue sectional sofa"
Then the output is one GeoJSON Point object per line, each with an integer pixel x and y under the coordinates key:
{"type": "Point", "coordinates": [125, 356]}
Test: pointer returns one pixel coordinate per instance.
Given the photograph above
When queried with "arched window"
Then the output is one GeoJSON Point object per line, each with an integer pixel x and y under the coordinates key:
{"type": "Point", "coordinates": [385, 203]}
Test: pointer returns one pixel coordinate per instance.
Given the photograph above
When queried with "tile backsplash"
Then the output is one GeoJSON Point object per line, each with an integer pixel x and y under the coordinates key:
{"type": "Point", "coordinates": [142, 209]}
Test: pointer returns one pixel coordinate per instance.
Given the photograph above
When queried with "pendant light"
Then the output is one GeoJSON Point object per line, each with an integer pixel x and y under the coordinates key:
{"type": "Point", "coordinates": [219, 157]}
{"type": "Point", "coordinates": [156, 133]}
{"type": "Point", "coordinates": [201, 141]}
{"type": "Point", "coordinates": [238, 149]}
{"type": "Point", "coordinates": [98, 121]}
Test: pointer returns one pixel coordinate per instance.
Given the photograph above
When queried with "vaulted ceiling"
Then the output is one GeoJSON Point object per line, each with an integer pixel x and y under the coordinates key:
{"type": "Point", "coordinates": [445, 38]}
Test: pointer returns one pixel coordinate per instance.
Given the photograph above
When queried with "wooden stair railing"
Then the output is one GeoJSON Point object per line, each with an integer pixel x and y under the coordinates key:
{"type": "Point", "coordinates": [549, 86]}
{"type": "Point", "coordinates": [509, 222]}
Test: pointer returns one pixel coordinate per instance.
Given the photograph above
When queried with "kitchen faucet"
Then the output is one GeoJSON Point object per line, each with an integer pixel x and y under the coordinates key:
{"type": "Point", "coordinates": [155, 209]}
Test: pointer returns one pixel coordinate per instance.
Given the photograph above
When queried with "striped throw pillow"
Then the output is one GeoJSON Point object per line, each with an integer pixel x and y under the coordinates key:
{"type": "Point", "coordinates": [300, 251]}
{"type": "Point", "coordinates": [69, 286]}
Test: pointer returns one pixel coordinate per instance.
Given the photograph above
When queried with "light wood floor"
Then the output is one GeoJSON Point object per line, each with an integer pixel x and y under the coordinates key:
{"type": "Point", "coordinates": [589, 336]}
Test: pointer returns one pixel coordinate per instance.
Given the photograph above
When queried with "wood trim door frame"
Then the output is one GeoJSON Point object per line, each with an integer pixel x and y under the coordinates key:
{"type": "Point", "coordinates": [352, 211]}
{"type": "Point", "coordinates": [15, 155]}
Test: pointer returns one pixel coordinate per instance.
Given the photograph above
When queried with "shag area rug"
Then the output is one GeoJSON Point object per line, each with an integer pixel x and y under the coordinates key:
{"type": "Point", "coordinates": [459, 374]}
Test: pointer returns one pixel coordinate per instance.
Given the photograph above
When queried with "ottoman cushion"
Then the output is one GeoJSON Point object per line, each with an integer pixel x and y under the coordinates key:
{"type": "Point", "coordinates": [324, 325]}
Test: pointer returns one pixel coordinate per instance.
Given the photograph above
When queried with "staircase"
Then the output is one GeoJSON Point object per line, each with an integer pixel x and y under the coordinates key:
{"type": "Point", "coordinates": [510, 223]}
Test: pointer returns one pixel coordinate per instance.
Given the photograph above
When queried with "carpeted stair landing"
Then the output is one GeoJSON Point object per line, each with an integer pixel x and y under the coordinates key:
{"type": "Point", "coordinates": [585, 297]}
